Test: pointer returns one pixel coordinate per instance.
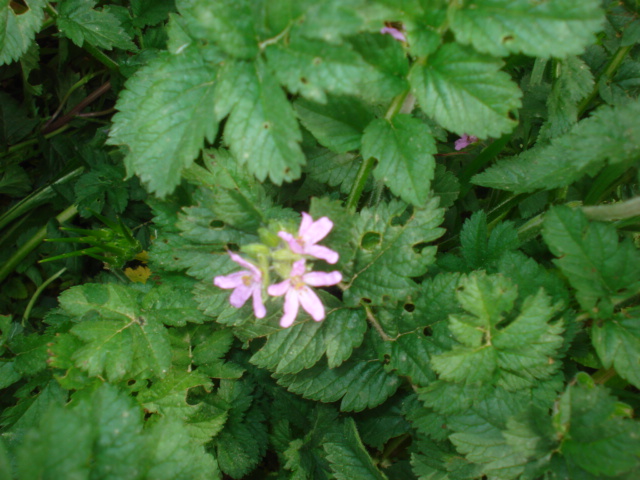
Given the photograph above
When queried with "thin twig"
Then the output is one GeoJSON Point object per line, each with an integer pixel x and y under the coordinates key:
{"type": "Point", "coordinates": [67, 117]}
{"type": "Point", "coordinates": [373, 321]}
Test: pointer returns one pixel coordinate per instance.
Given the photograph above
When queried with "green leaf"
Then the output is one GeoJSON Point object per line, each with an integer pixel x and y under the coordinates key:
{"type": "Point", "coordinates": [333, 169]}
{"type": "Point", "coordinates": [313, 68]}
{"type": "Point", "coordinates": [377, 426]}
{"type": "Point", "coordinates": [617, 342]}
{"type": "Point", "coordinates": [301, 346]}
{"type": "Point", "coordinates": [480, 249]}
{"type": "Point", "coordinates": [540, 29]}
{"type": "Point", "coordinates": [594, 436]}
{"type": "Point", "coordinates": [514, 356]}
{"type": "Point", "coordinates": [208, 356]}
{"type": "Point", "coordinates": [610, 135]}
{"type": "Point", "coordinates": [15, 123]}
{"type": "Point", "coordinates": [99, 434]}
{"type": "Point", "coordinates": [260, 111]}
{"type": "Point", "coordinates": [151, 12]}
{"type": "Point", "coordinates": [446, 186]}
{"type": "Point", "coordinates": [572, 84]}
{"type": "Point", "coordinates": [121, 337]}
{"type": "Point", "coordinates": [360, 384]}
{"type": "Point", "coordinates": [172, 302]}
{"type": "Point", "coordinates": [433, 461]}
{"type": "Point", "coordinates": [165, 114]}
{"type": "Point", "coordinates": [602, 270]}
{"type": "Point", "coordinates": [173, 455]}
{"type": "Point", "coordinates": [391, 249]}
{"type": "Point", "coordinates": [347, 456]}
{"type": "Point", "coordinates": [466, 92]}
{"type": "Point", "coordinates": [409, 357]}
{"type": "Point", "coordinates": [232, 25]}
{"type": "Point", "coordinates": [18, 28]}
{"type": "Point", "coordinates": [79, 22]}
{"type": "Point", "coordinates": [338, 124]}
{"type": "Point", "coordinates": [404, 149]}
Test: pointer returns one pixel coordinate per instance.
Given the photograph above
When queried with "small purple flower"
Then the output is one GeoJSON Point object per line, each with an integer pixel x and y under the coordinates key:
{"type": "Point", "coordinates": [464, 141]}
{"type": "Point", "coordinates": [246, 283]}
{"type": "Point", "coordinates": [297, 292]}
{"type": "Point", "coordinates": [309, 234]}
{"type": "Point", "coordinates": [394, 32]}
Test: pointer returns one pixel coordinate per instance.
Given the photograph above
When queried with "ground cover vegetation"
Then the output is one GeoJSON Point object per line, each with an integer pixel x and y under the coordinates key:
{"type": "Point", "coordinates": [305, 239]}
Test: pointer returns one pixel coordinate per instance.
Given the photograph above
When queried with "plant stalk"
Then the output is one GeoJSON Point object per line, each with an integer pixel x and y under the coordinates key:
{"type": "Point", "coordinates": [33, 243]}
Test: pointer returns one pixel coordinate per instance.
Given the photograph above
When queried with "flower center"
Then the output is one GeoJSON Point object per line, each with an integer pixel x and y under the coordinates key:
{"type": "Point", "coordinates": [247, 280]}
{"type": "Point", "coordinates": [297, 282]}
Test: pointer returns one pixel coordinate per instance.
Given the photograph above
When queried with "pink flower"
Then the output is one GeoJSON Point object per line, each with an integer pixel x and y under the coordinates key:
{"type": "Point", "coordinates": [464, 141]}
{"type": "Point", "coordinates": [246, 283]}
{"type": "Point", "coordinates": [394, 32]}
{"type": "Point", "coordinates": [297, 292]}
{"type": "Point", "coordinates": [309, 234]}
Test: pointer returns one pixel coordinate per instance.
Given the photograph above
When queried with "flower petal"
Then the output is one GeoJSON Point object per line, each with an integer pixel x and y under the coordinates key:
{"type": "Point", "coordinates": [305, 224]}
{"type": "Point", "coordinates": [258, 305]}
{"type": "Point", "coordinates": [322, 279]}
{"type": "Point", "coordinates": [291, 241]}
{"type": "Point", "coordinates": [233, 280]}
{"type": "Point", "coordinates": [311, 303]}
{"type": "Point", "coordinates": [298, 268]}
{"type": "Point", "coordinates": [291, 305]}
{"type": "Point", "coordinates": [255, 271]}
{"type": "Point", "coordinates": [317, 231]}
{"type": "Point", "coordinates": [279, 289]}
{"type": "Point", "coordinates": [323, 253]}
{"type": "Point", "coordinates": [240, 295]}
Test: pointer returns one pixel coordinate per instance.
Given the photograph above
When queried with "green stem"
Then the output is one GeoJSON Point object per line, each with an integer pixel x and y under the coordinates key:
{"type": "Point", "coordinates": [36, 199]}
{"type": "Point", "coordinates": [606, 74]}
{"type": "Point", "coordinates": [33, 243]}
{"type": "Point", "coordinates": [33, 141]}
{"type": "Point", "coordinates": [403, 103]}
{"type": "Point", "coordinates": [615, 211]}
{"type": "Point", "coordinates": [358, 185]}
{"type": "Point", "coordinates": [603, 375]}
{"type": "Point", "coordinates": [37, 293]}
{"type": "Point", "coordinates": [374, 322]}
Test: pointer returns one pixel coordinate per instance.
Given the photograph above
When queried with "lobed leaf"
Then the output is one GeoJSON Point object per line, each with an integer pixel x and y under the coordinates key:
{"type": "Point", "coordinates": [601, 269]}
{"type": "Point", "coordinates": [80, 22]}
{"type": "Point", "coordinates": [610, 135]}
{"type": "Point", "coordinates": [466, 92]}
{"type": "Point", "coordinates": [164, 118]}
{"type": "Point", "coordinates": [404, 149]}
{"type": "Point", "coordinates": [18, 29]}
{"type": "Point", "coordinates": [540, 29]}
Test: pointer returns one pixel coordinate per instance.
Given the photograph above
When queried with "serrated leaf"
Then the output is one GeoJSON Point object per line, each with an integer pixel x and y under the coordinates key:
{"type": "Point", "coordinates": [360, 384]}
{"type": "Point", "coordinates": [610, 135]}
{"type": "Point", "coordinates": [404, 149]}
{"type": "Point", "coordinates": [409, 357]}
{"type": "Point", "coordinates": [18, 28]}
{"type": "Point", "coordinates": [391, 250]}
{"type": "Point", "coordinates": [99, 434]}
{"type": "Point", "coordinates": [602, 270]}
{"type": "Point", "coordinates": [313, 68]}
{"type": "Point", "coordinates": [172, 303]}
{"type": "Point", "coordinates": [347, 456]}
{"type": "Point", "coordinates": [333, 169]}
{"type": "Point", "coordinates": [260, 111]}
{"type": "Point", "coordinates": [301, 346]}
{"type": "Point", "coordinates": [151, 12]}
{"type": "Point", "coordinates": [338, 124]}
{"type": "Point", "coordinates": [446, 186]}
{"type": "Point", "coordinates": [173, 455]}
{"type": "Point", "coordinates": [377, 426]}
{"type": "Point", "coordinates": [232, 26]}
{"type": "Point", "coordinates": [165, 114]}
{"type": "Point", "coordinates": [514, 356]}
{"type": "Point", "coordinates": [593, 435]}
{"type": "Point", "coordinates": [541, 29]}
{"type": "Point", "coordinates": [466, 92]}
{"type": "Point", "coordinates": [168, 396]}
{"type": "Point", "coordinates": [572, 84]}
{"type": "Point", "coordinates": [15, 123]}
{"type": "Point", "coordinates": [480, 249]}
{"type": "Point", "coordinates": [208, 356]}
{"type": "Point", "coordinates": [617, 342]}
{"type": "Point", "coordinates": [121, 337]}
{"type": "Point", "coordinates": [79, 22]}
